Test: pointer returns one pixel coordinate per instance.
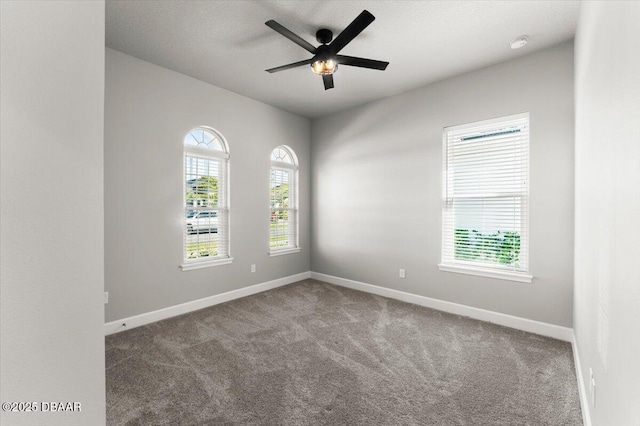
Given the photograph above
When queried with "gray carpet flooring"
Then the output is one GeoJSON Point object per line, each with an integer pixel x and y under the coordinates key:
{"type": "Point", "coordinates": [316, 354]}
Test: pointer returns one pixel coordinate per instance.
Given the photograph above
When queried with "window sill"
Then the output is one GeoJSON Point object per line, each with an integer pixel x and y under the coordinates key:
{"type": "Point", "coordinates": [206, 264]}
{"type": "Point", "coordinates": [284, 251]}
{"type": "Point", "coordinates": [481, 272]}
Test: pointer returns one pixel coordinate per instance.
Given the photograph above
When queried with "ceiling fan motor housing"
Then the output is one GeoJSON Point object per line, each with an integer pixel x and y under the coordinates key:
{"type": "Point", "coordinates": [324, 36]}
{"type": "Point", "coordinates": [323, 53]}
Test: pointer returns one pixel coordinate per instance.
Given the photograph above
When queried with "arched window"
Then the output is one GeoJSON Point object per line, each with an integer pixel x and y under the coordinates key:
{"type": "Point", "coordinates": [283, 202]}
{"type": "Point", "coordinates": [206, 199]}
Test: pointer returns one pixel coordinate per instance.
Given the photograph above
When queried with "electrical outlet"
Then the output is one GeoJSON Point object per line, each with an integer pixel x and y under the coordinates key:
{"type": "Point", "coordinates": [253, 268]}
{"type": "Point", "coordinates": [402, 273]}
{"type": "Point", "coordinates": [106, 297]}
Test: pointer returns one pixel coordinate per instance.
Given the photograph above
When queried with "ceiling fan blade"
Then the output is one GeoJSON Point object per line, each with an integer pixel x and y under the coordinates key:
{"type": "Point", "coordinates": [291, 36]}
{"type": "Point", "coordinates": [361, 62]}
{"type": "Point", "coordinates": [289, 66]}
{"type": "Point", "coordinates": [356, 27]}
{"type": "Point", "coordinates": [328, 81]}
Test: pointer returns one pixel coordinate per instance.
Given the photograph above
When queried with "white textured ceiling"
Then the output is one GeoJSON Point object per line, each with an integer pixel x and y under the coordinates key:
{"type": "Point", "coordinates": [226, 43]}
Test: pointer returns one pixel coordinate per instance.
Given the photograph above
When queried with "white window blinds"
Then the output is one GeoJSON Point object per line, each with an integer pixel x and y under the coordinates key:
{"type": "Point", "coordinates": [206, 205]}
{"type": "Point", "coordinates": [283, 201]}
{"type": "Point", "coordinates": [486, 195]}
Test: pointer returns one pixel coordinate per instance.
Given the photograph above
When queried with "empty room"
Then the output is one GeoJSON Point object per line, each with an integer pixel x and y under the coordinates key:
{"type": "Point", "coordinates": [278, 212]}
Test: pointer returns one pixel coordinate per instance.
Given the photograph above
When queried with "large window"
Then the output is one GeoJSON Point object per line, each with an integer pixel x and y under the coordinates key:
{"type": "Point", "coordinates": [206, 199]}
{"type": "Point", "coordinates": [283, 202]}
{"type": "Point", "coordinates": [486, 198]}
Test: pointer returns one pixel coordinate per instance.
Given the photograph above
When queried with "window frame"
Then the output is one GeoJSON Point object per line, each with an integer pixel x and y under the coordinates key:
{"type": "Point", "coordinates": [448, 262]}
{"type": "Point", "coordinates": [223, 208]}
{"type": "Point", "coordinates": [293, 170]}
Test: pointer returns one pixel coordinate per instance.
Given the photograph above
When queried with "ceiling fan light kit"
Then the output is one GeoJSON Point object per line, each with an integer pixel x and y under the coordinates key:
{"type": "Point", "coordinates": [324, 67]}
{"type": "Point", "coordinates": [326, 59]}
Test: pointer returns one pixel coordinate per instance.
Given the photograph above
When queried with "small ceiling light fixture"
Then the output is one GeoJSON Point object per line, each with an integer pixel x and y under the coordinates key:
{"type": "Point", "coordinates": [519, 42]}
{"type": "Point", "coordinates": [327, 67]}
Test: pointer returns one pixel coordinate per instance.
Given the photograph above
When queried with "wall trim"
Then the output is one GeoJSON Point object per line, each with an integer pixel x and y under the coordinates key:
{"type": "Point", "coordinates": [558, 332]}
{"type": "Point", "coordinates": [582, 391]}
{"type": "Point", "coordinates": [532, 326]}
{"type": "Point", "coordinates": [183, 308]}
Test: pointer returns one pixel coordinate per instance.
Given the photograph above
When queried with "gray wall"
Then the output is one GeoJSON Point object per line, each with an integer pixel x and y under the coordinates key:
{"type": "Point", "coordinates": [607, 202]}
{"type": "Point", "coordinates": [148, 111]}
{"type": "Point", "coordinates": [377, 186]}
{"type": "Point", "coordinates": [51, 219]}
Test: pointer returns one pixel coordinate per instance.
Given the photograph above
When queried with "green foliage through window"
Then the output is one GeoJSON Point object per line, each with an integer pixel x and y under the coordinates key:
{"type": "Point", "coordinates": [200, 249]}
{"type": "Point", "coordinates": [280, 200]}
{"type": "Point", "coordinates": [502, 248]}
{"type": "Point", "coordinates": [204, 189]}
{"type": "Point", "coordinates": [280, 195]}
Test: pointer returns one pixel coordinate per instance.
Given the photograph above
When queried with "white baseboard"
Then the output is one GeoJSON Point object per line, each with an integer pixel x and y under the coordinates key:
{"type": "Point", "coordinates": [582, 391]}
{"type": "Point", "coordinates": [172, 311]}
{"type": "Point", "coordinates": [537, 327]}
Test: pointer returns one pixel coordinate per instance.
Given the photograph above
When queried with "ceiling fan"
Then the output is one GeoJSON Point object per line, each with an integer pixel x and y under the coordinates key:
{"type": "Point", "coordinates": [326, 59]}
